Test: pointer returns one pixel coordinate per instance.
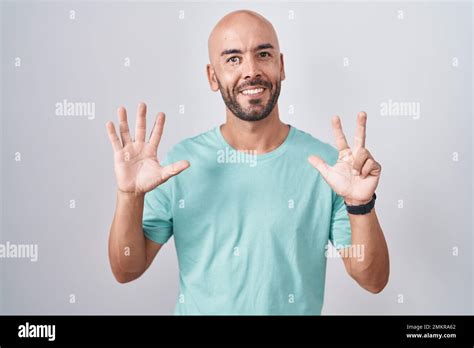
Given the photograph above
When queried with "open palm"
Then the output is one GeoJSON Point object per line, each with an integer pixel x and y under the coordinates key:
{"type": "Point", "coordinates": [137, 168]}
{"type": "Point", "coordinates": [356, 174]}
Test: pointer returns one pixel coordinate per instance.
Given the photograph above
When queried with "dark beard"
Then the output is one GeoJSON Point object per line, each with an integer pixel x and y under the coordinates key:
{"type": "Point", "coordinates": [251, 115]}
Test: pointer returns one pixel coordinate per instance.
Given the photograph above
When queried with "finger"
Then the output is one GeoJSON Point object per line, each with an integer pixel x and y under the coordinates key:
{"type": "Point", "coordinates": [114, 139]}
{"type": "Point", "coordinates": [360, 158]}
{"type": "Point", "coordinates": [359, 139]}
{"type": "Point", "coordinates": [320, 165]}
{"type": "Point", "coordinates": [370, 168]}
{"type": "Point", "coordinates": [140, 128]}
{"type": "Point", "coordinates": [173, 169]}
{"type": "Point", "coordinates": [123, 126]}
{"type": "Point", "coordinates": [157, 130]}
{"type": "Point", "coordinates": [341, 142]}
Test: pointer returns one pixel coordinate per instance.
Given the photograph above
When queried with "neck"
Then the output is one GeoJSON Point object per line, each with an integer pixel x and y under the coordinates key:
{"type": "Point", "coordinates": [262, 136]}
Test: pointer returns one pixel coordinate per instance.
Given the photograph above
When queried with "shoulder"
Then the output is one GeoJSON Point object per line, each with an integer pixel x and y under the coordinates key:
{"type": "Point", "coordinates": [307, 144]}
{"type": "Point", "coordinates": [194, 146]}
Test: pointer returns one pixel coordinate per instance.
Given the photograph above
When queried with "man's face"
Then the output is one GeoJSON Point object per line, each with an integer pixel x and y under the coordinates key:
{"type": "Point", "coordinates": [248, 68]}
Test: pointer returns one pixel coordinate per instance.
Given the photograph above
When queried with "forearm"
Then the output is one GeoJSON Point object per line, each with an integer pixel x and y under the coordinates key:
{"type": "Point", "coordinates": [127, 245]}
{"type": "Point", "coordinates": [371, 270]}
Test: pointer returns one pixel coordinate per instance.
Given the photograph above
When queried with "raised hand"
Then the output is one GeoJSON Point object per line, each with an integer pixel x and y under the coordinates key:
{"type": "Point", "coordinates": [137, 168]}
{"type": "Point", "coordinates": [356, 174]}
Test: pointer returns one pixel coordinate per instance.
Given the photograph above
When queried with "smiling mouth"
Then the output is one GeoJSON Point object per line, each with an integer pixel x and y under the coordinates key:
{"type": "Point", "coordinates": [254, 92]}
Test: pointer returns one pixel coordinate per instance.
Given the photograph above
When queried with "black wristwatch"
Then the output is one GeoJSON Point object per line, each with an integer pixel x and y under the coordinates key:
{"type": "Point", "coordinates": [361, 209]}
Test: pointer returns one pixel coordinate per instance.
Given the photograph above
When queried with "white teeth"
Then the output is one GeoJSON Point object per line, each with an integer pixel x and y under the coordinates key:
{"type": "Point", "coordinates": [253, 91]}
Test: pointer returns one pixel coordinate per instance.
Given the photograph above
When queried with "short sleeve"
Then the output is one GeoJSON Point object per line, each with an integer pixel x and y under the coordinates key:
{"type": "Point", "coordinates": [157, 215]}
{"type": "Point", "coordinates": [157, 212]}
{"type": "Point", "coordinates": [340, 233]}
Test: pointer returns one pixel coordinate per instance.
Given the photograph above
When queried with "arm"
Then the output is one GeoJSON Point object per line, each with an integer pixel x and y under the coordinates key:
{"type": "Point", "coordinates": [371, 269]}
{"type": "Point", "coordinates": [130, 253]}
{"type": "Point", "coordinates": [137, 171]}
{"type": "Point", "coordinates": [355, 177]}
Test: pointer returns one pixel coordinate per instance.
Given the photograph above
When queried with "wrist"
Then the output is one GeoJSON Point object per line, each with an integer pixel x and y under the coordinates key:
{"type": "Point", "coordinates": [356, 207]}
{"type": "Point", "coordinates": [130, 194]}
{"type": "Point", "coordinates": [355, 202]}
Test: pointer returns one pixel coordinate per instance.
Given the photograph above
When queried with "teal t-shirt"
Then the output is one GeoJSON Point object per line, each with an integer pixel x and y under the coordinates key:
{"type": "Point", "coordinates": [250, 231]}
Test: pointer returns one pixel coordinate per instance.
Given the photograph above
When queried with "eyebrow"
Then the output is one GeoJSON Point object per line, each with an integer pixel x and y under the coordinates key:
{"type": "Point", "coordinates": [258, 48]}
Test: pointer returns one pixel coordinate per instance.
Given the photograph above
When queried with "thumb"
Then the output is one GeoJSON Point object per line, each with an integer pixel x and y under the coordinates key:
{"type": "Point", "coordinates": [173, 169]}
{"type": "Point", "coordinates": [320, 165]}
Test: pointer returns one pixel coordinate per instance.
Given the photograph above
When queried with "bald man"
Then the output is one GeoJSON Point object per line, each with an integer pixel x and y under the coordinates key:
{"type": "Point", "coordinates": [251, 218]}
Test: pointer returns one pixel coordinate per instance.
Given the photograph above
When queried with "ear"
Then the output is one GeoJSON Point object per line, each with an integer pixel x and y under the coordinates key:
{"type": "Point", "coordinates": [282, 69]}
{"type": "Point", "coordinates": [211, 76]}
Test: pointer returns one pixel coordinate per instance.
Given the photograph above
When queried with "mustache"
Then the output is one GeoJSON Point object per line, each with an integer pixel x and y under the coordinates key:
{"type": "Point", "coordinates": [257, 82]}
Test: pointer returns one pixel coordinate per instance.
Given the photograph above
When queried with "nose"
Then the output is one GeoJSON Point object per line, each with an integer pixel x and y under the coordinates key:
{"type": "Point", "coordinates": [251, 69]}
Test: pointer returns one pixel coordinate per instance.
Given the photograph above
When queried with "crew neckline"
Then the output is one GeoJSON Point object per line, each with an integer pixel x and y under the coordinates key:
{"type": "Point", "coordinates": [264, 156]}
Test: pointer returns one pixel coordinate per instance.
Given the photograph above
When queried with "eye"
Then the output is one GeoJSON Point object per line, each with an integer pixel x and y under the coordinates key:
{"type": "Point", "coordinates": [267, 54]}
{"type": "Point", "coordinates": [231, 59]}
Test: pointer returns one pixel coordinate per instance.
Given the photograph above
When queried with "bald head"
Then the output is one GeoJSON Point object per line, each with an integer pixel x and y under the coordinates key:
{"type": "Point", "coordinates": [246, 65]}
{"type": "Point", "coordinates": [240, 28]}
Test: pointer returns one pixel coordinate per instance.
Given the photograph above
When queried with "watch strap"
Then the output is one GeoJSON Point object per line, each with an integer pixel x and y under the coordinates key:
{"type": "Point", "coordinates": [361, 209]}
